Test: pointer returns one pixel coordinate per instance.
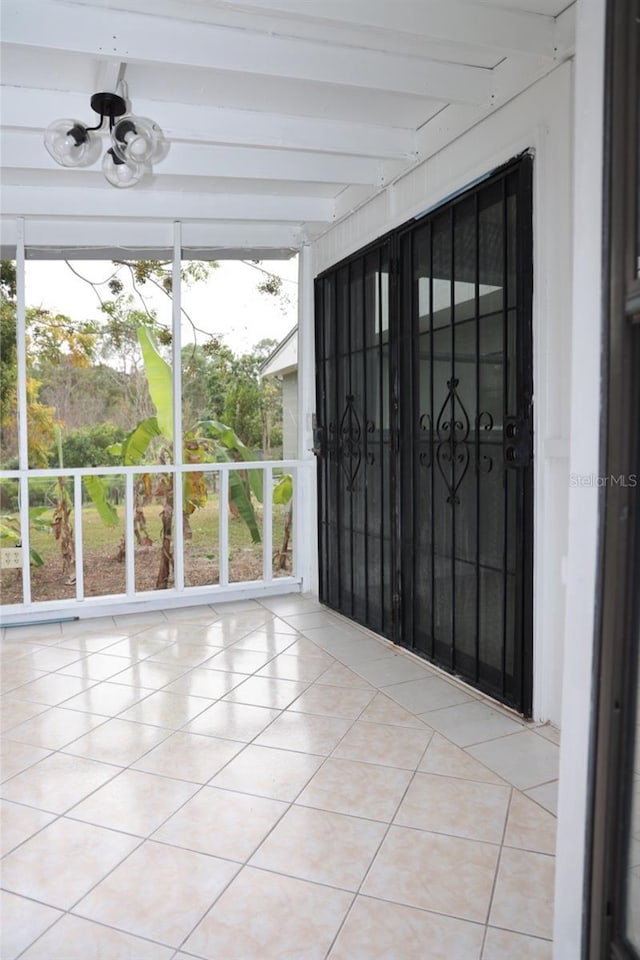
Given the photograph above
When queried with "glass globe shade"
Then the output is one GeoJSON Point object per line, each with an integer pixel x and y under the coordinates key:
{"type": "Point", "coordinates": [121, 173]}
{"type": "Point", "coordinates": [137, 138]}
{"type": "Point", "coordinates": [71, 144]}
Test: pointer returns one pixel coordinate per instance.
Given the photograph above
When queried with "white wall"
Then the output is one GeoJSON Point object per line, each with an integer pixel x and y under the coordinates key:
{"type": "Point", "coordinates": [306, 505]}
{"type": "Point", "coordinates": [578, 694]}
{"type": "Point", "coordinates": [541, 119]}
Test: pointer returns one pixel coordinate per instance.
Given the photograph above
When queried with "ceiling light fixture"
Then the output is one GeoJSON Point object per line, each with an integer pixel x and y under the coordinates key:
{"type": "Point", "coordinates": [136, 142]}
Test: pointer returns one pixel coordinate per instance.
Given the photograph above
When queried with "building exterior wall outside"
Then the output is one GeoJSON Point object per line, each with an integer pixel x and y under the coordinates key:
{"type": "Point", "coordinates": [290, 416]}
{"type": "Point", "coordinates": [283, 363]}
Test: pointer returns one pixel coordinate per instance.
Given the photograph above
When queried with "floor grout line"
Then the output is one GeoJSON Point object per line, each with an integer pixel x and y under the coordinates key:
{"type": "Point", "coordinates": [246, 862]}
{"type": "Point", "coordinates": [375, 856]}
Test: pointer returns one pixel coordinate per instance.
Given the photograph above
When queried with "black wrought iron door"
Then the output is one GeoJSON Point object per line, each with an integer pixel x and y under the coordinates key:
{"type": "Point", "coordinates": [425, 396]}
{"type": "Point", "coordinates": [356, 466]}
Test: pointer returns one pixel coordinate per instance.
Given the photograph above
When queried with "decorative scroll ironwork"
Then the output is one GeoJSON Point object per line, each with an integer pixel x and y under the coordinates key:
{"type": "Point", "coordinates": [425, 425]}
{"type": "Point", "coordinates": [452, 454]}
{"type": "Point", "coordinates": [371, 428]}
{"type": "Point", "coordinates": [345, 443]}
{"type": "Point", "coordinates": [484, 463]}
{"type": "Point", "coordinates": [350, 450]}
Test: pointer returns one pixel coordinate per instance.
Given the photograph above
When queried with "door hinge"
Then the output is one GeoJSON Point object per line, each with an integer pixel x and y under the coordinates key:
{"type": "Point", "coordinates": [318, 438]}
{"type": "Point", "coordinates": [632, 307]}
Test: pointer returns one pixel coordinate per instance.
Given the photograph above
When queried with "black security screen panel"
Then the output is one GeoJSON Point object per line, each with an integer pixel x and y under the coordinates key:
{"type": "Point", "coordinates": [424, 414]}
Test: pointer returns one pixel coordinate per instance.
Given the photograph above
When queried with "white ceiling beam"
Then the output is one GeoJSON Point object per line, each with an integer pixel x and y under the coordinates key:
{"type": "Point", "coordinates": [565, 33]}
{"type": "Point", "coordinates": [134, 37]}
{"type": "Point", "coordinates": [311, 28]}
{"type": "Point", "coordinates": [240, 235]}
{"type": "Point", "coordinates": [349, 200]}
{"type": "Point", "coordinates": [161, 184]}
{"type": "Point", "coordinates": [514, 75]}
{"type": "Point", "coordinates": [108, 74]}
{"type": "Point", "coordinates": [445, 127]}
{"type": "Point", "coordinates": [101, 200]}
{"type": "Point", "coordinates": [456, 119]}
{"type": "Point", "coordinates": [510, 78]}
{"type": "Point", "coordinates": [34, 109]}
{"type": "Point", "coordinates": [97, 237]}
{"type": "Point", "coordinates": [25, 150]}
{"type": "Point", "coordinates": [514, 31]}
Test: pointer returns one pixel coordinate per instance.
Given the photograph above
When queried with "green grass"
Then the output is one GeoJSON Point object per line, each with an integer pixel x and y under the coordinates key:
{"type": "Point", "coordinates": [204, 524]}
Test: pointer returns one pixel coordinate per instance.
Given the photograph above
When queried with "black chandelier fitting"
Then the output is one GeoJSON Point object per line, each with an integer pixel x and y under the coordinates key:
{"type": "Point", "coordinates": [136, 142]}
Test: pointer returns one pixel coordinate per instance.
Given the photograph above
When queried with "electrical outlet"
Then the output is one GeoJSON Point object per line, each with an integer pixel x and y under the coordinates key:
{"type": "Point", "coordinates": [11, 558]}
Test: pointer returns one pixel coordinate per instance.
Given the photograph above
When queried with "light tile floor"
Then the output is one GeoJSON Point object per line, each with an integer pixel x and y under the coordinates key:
{"type": "Point", "coordinates": [264, 781]}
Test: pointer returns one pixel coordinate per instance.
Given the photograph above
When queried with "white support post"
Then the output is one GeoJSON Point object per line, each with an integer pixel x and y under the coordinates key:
{"type": "Point", "coordinates": [223, 527]}
{"type": "Point", "coordinates": [129, 536]}
{"type": "Point", "coordinates": [23, 506]}
{"type": "Point", "coordinates": [297, 566]}
{"type": "Point", "coordinates": [176, 353]}
{"type": "Point", "coordinates": [23, 440]}
{"type": "Point", "coordinates": [267, 524]}
{"type": "Point", "coordinates": [79, 546]}
{"type": "Point", "coordinates": [305, 522]}
{"type": "Point", "coordinates": [21, 348]}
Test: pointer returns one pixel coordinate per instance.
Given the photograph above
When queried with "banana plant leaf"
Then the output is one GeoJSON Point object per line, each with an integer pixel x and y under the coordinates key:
{"type": "Point", "coordinates": [231, 441]}
{"type": "Point", "coordinates": [283, 490]}
{"type": "Point", "coordinates": [6, 533]}
{"type": "Point", "coordinates": [238, 496]}
{"type": "Point", "coordinates": [96, 490]}
{"type": "Point", "coordinates": [135, 446]}
{"type": "Point", "coordinates": [39, 519]}
{"type": "Point", "coordinates": [194, 492]}
{"type": "Point", "coordinates": [158, 373]}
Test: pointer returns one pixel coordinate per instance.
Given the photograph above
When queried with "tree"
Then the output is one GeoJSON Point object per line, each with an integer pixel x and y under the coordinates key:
{"type": "Point", "coordinates": [85, 396]}
{"type": "Point", "coordinates": [252, 405]}
{"type": "Point", "coordinates": [272, 284]}
{"type": "Point", "coordinates": [207, 375]}
{"type": "Point", "coordinates": [220, 385]}
{"type": "Point", "coordinates": [89, 446]}
{"type": "Point", "coordinates": [123, 318]}
{"type": "Point", "coordinates": [8, 372]}
{"type": "Point", "coordinates": [40, 419]}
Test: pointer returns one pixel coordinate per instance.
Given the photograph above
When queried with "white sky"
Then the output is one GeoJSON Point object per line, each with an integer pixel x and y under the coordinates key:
{"type": "Point", "coordinates": [227, 304]}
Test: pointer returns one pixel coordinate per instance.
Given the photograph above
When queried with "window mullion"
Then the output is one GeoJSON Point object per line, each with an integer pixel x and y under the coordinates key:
{"type": "Point", "coordinates": [23, 442]}
{"type": "Point", "coordinates": [176, 349]}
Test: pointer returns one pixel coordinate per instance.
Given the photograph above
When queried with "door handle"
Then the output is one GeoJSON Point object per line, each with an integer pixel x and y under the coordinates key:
{"type": "Point", "coordinates": [517, 442]}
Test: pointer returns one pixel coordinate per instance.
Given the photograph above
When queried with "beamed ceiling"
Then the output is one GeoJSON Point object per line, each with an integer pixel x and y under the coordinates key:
{"type": "Point", "coordinates": [283, 115]}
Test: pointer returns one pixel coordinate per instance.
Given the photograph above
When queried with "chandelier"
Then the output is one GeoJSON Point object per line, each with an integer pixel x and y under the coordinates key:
{"type": "Point", "coordinates": [136, 142]}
